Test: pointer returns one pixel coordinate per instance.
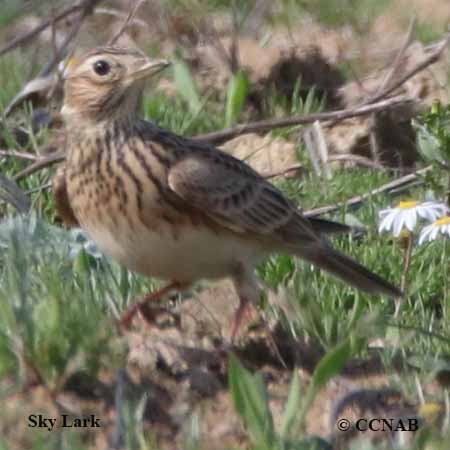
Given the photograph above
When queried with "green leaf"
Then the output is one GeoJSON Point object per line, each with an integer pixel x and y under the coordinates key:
{"type": "Point", "coordinates": [308, 106]}
{"type": "Point", "coordinates": [331, 364]}
{"type": "Point", "coordinates": [236, 96]}
{"type": "Point", "coordinates": [251, 402]}
{"type": "Point", "coordinates": [292, 406]}
{"type": "Point", "coordinates": [186, 85]}
{"type": "Point", "coordinates": [310, 443]}
{"type": "Point", "coordinates": [428, 144]}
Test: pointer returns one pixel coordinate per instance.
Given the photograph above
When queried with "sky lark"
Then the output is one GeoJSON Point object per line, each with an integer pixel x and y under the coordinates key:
{"type": "Point", "coordinates": [170, 207]}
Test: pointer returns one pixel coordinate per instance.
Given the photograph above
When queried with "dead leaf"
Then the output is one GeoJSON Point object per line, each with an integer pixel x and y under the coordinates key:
{"type": "Point", "coordinates": [35, 91]}
{"type": "Point", "coordinates": [11, 193]}
{"type": "Point", "coordinates": [267, 155]}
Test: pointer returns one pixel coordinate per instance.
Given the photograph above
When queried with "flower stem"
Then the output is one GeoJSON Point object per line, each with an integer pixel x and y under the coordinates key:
{"type": "Point", "coordinates": [448, 193]}
{"type": "Point", "coordinates": [446, 264]}
{"type": "Point", "coordinates": [408, 241]}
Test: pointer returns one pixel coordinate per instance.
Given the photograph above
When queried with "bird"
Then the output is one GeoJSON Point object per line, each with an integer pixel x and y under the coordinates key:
{"type": "Point", "coordinates": [170, 207]}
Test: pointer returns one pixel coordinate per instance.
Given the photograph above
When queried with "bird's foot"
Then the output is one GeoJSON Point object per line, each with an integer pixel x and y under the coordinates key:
{"type": "Point", "coordinates": [242, 314]}
{"type": "Point", "coordinates": [141, 307]}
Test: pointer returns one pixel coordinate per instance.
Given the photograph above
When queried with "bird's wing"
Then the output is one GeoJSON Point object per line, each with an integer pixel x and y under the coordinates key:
{"type": "Point", "coordinates": [234, 195]}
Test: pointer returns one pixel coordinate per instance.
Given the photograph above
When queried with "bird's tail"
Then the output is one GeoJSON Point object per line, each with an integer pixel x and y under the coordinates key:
{"type": "Point", "coordinates": [350, 271]}
{"type": "Point", "coordinates": [324, 226]}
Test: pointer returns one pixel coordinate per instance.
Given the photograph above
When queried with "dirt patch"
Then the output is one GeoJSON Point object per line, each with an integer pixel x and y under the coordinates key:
{"type": "Point", "coordinates": [268, 156]}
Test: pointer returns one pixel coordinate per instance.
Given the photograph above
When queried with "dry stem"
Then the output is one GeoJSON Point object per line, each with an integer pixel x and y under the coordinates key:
{"type": "Point", "coordinates": [128, 20]}
{"type": "Point", "coordinates": [407, 179]}
{"type": "Point", "coordinates": [28, 36]}
{"type": "Point", "coordinates": [217, 137]}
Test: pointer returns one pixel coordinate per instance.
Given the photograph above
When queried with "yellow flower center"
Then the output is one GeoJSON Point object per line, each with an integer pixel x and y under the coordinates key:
{"type": "Point", "coordinates": [442, 221]}
{"type": "Point", "coordinates": [407, 204]}
{"type": "Point", "coordinates": [404, 234]}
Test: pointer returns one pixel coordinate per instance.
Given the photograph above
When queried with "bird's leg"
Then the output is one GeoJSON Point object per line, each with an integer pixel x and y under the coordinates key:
{"type": "Point", "coordinates": [243, 309]}
{"type": "Point", "coordinates": [236, 322]}
{"type": "Point", "coordinates": [151, 297]}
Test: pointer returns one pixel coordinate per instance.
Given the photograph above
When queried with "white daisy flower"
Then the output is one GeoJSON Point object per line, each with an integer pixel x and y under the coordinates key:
{"type": "Point", "coordinates": [431, 232]}
{"type": "Point", "coordinates": [406, 214]}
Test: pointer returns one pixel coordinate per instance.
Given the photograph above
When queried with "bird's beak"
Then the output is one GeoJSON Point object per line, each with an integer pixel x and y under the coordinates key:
{"type": "Point", "coordinates": [148, 69]}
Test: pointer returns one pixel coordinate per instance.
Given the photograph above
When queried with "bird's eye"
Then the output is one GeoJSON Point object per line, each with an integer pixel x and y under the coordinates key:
{"type": "Point", "coordinates": [101, 67]}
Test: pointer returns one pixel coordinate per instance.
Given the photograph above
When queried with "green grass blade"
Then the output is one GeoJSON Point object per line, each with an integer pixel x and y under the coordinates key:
{"type": "Point", "coordinates": [292, 406]}
{"type": "Point", "coordinates": [251, 402]}
{"type": "Point", "coordinates": [330, 365]}
{"type": "Point", "coordinates": [236, 96]}
{"type": "Point", "coordinates": [186, 86]}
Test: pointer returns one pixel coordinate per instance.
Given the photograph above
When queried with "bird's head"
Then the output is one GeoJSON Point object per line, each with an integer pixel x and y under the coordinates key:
{"type": "Point", "coordinates": [106, 83]}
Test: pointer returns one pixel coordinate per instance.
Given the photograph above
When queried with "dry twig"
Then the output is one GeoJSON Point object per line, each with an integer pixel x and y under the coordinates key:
{"type": "Point", "coordinates": [308, 140]}
{"type": "Point", "coordinates": [128, 20]}
{"type": "Point", "coordinates": [16, 154]}
{"type": "Point", "coordinates": [402, 181]}
{"type": "Point", "coordinates": [386, 82]}
{"type": "Point", "coordinates": [293, 168]}
{"type": "Point", "coordinates": [42, 187]}
{"type": "Point", "coordinates": [213, 38]}
{"type": "Point", "coordinates": [223, 135]}
{"type": "Point", "coordinates": [87, 9]}
{"type": "Point", "coordinates": [378, 101]}
{"type": "Point", "coordinates": [45, 82]}
{"type": "Point", "coordinates": [39, 165]}
{"type": "Point", "coordinates": [357, 159]}
{"type": "Point", "coordinates": [120, 15]}
{"type": "Point", "coordinates": [29, 35]}
{"type": "Point", "coordinates": [269, 124]}
{"type": "Point", "coordinates": [390, 75]}
{"type": "Point", "coordinates": [429, 60]}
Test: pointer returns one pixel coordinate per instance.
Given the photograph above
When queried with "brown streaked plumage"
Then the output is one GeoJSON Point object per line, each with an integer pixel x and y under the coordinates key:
{"type": "Point", "coordinates": [172, 208]}
{"type": "Point", "coordinates": [62, 202]}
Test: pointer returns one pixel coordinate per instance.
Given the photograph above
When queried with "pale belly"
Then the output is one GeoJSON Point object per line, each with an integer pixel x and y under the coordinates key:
{"type": "Point", "coordinates": [185, 256]}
